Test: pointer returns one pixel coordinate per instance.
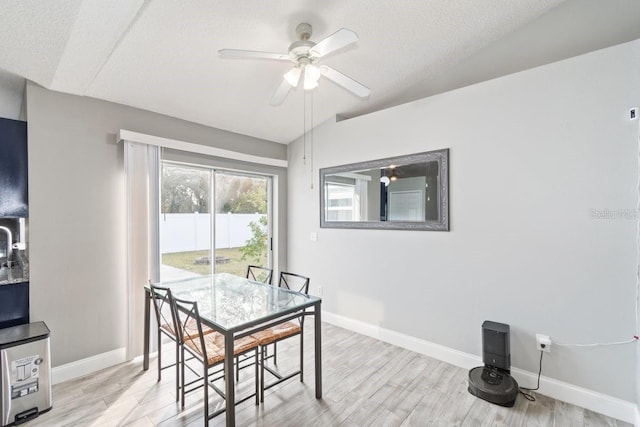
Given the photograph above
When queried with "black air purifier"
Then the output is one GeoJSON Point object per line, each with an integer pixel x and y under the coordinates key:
{"type": "Point", "coordinates": [493, 381]}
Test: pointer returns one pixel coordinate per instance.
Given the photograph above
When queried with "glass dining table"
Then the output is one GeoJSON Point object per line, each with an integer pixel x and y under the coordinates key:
{"type": "Point", "coordinates": [236, 307]}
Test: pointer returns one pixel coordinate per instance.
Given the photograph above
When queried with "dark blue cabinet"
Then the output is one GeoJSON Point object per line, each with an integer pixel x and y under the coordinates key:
{"type": "Point", "coordinates": [14, 304]}
{"type": "Point", "coordinates": [13, 169]}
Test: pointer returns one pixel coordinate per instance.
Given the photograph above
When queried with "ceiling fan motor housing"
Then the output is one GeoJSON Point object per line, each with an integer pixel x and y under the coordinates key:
{"type": "Point", "coordinates": [299, 51]}
{"type": "Point", "coordinates": [303, 31]}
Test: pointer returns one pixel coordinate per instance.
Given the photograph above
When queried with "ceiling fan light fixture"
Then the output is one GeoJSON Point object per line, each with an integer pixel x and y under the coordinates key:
{"type": "Point", "coordinates": [305, 53]}
{"type": "Point", "coordinates": [311, 77]}
{"type": "Point", "coordinates": [293, 76]}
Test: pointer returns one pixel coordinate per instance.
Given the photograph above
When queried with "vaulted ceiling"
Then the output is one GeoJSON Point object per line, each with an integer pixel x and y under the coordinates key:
{"type": "Point", "coordinates": [162, 55]}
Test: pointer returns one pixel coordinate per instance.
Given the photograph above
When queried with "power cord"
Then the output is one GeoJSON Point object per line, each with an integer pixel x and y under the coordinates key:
{"type": "Point", "coordinates": [636, 336]}
{"type": "Point", "coordinates": [597, 344]}
{"type": "Point", "coordinates": [524, 390]}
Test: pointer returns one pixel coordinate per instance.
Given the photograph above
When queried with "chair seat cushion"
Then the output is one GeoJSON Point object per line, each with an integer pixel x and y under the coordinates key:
{"type": "Point", "coordinates": [169, 328]}
{"type": "Point", "coordinates": [276, 333]}
{"type": "Point", "coordinates": [214, 343]}
{"type": "Point", "coordinates": [190, 329]}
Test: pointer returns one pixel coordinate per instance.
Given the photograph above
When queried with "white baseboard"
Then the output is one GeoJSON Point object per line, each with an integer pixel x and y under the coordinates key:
{"type": "Point", "coordinates": [579, 396]}
{"type": "Point", "coordinates": [87, 366]}
{"type": "Point", "coordinates": [585, 398]}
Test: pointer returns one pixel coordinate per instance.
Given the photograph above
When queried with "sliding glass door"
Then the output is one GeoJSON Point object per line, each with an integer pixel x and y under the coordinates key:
{"type": "Point", "coordinates": [213, 221]}
{"type": "Point", "coordinates": [185, 221]}
{"type": "Point", "coordinates": [242, 232]}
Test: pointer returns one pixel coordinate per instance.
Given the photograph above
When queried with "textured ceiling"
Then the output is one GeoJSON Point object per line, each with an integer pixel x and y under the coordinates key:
{"type": "Point", "coordinates": [162, 55]}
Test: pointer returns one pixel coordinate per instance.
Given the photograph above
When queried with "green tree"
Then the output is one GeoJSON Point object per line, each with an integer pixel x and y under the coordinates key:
{"type": "Point", "coordinates": [253, 200]}
{"type": "Point", "coordinates": [184, 190]}
{"type": "Point", "coordinates": [256, 247]}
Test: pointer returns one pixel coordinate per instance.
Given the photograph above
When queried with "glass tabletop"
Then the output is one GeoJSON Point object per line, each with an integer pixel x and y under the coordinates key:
{"type": "Point", "coordinates": [234, 303]}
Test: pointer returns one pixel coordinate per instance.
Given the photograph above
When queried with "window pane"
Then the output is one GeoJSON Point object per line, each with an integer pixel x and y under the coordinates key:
{"type": "Point", "coordinates": [241, 222]}
{"type": "Point", "coordinates": [185, 222]}
{"type": "Point", "coordinates": [340, 202]}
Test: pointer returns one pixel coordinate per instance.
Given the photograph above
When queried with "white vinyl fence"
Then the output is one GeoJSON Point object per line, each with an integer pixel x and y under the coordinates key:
{"type": "Point", "coordinates": [191, 232]}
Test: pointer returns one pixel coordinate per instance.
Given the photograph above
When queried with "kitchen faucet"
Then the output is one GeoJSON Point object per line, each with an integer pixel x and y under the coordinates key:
{"type": "Point", "coordinates": [9, 241]}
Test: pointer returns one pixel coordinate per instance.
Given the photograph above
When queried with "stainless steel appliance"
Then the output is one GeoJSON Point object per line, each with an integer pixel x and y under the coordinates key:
{"type": "Point", "coordinates": [25, 373]}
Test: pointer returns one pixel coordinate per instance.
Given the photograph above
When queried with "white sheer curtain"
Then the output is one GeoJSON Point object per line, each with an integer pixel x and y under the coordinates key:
{"type": "Point", "coordinates": [142, 168]}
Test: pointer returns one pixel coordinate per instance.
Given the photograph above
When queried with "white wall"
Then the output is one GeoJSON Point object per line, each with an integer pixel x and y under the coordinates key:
{"type": "Point", "coordinates": [77, 224]}
{"type": "Point", "coordinates": [11, 95]}
{"type": "Point", "coordinates": [531, 155]}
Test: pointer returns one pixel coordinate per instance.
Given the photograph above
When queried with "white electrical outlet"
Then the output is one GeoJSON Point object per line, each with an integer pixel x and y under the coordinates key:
{"type": "Point", "coordinates": [543, 343]}
{"type": "Point", "coordinates": [319, 291]}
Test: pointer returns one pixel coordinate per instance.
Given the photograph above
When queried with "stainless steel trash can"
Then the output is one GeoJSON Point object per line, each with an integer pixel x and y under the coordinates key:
{"type": "Point", "coordinates": [25, 373]}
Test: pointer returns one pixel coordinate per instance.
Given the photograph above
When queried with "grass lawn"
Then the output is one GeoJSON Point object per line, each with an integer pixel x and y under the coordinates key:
{"type": "Point", "coordinates": [187, 261]}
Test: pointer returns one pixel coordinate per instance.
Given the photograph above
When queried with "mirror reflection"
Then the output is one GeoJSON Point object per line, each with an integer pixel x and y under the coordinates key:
{"type": "Point", "coordinates": [407, 192]}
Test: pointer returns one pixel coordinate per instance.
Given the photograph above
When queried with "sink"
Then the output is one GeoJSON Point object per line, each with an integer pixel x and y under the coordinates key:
{"type": "Point", "coordinates": [13, 274]}
{"type": "Point", "coordinates": [12, 271]}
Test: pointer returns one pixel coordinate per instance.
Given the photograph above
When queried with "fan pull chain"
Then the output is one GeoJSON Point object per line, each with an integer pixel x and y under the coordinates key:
{"type": "Point", "coordinates": [304, 128]}
{"type": "Point", "coordinates": [311, 147]}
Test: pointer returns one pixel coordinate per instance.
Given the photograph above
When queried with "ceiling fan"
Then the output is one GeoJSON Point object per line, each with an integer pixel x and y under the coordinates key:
{"type": "Point", "coordinates": [305, 54]}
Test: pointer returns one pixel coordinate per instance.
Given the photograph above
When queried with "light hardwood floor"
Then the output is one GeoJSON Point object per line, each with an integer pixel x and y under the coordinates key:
{"type": "Point", "coordinates": [366, 383]}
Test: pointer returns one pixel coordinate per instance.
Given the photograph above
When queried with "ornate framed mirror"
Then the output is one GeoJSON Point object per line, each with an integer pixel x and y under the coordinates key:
{"type": "Point", "coordinates": [398, 193]}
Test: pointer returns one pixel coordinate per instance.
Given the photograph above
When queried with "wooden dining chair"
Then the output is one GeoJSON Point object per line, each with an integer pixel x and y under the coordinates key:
{"type": "Point", "coordinates": [271, 336]}
{"type": "Point", "coordinates": [209, 351]}
{"type": "Point", "coordinates": [259, 274]}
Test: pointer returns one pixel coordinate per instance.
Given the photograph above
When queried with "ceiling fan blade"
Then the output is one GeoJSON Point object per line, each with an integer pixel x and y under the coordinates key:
{"type": "Point", "coordinates": [281, 93]}
{"type": "Point", "coordinates": [335, 41]}
{"type": "Point", "coordinates": [346, 82]}
{"type": "Point", "coordinates": [253, 54]}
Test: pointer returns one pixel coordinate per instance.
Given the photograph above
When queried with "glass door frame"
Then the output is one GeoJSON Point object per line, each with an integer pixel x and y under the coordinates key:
{"type": "Point", "coordinates": [269, 198]}
{"type": "Point", "coordinates": [271, 260]}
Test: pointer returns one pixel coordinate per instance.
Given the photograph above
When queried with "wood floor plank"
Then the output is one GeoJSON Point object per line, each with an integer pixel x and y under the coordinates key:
{"type": "Point", "coordinates": [481, 414]}
{"type": "Point", "coordinates": [336, 413]}
{"type": "Point", "coordinates": [140, 422]}
{"type": "Point", "coordinates": [594, 419]}
{"type": "Point", "coordinates": [121, 412]}
{"type": "Point", "coordinates": [514, 416]}
{"type": "Point", "coordinates": [424, 411]}
{"type": "Point", "coordinates": [82, 414]}
{"type": "Point", "coordinates": [413, 373]}
{"type": "Point", "coordinates": [366, 383]}
{"type": "Point", "coordinates": [455, 412]}
{"type": "Point", "coordinates": [565, 414]}
{"type": "Point", "coordinates": [538, 415]}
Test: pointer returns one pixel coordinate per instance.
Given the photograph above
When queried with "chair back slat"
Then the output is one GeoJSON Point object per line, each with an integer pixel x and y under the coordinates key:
{"type": "Point", "coordinates": [187, 314]}
{"type": "Point", "coordinates": [163, 308]}
{"type": "Point", "coordinates": [294, 282]}
{"type": "Point", "coordinates": [259, 274]}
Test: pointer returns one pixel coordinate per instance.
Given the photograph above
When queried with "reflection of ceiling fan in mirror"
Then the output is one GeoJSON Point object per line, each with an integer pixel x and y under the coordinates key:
{"type": "Point", "coordinates": [391, 173]}
{"type": "Point", "coordinates": [305, 54]}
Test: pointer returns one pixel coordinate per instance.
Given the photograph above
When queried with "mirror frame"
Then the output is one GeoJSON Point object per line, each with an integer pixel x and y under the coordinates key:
{"type": "Point", "coordinates": [440, 156]}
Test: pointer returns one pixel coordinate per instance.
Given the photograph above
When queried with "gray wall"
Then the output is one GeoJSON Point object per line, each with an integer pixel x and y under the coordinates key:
{"type": "Point", "coordinates": [531, 155]}
{"type": "Point", "coordinates": [77, 224]}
